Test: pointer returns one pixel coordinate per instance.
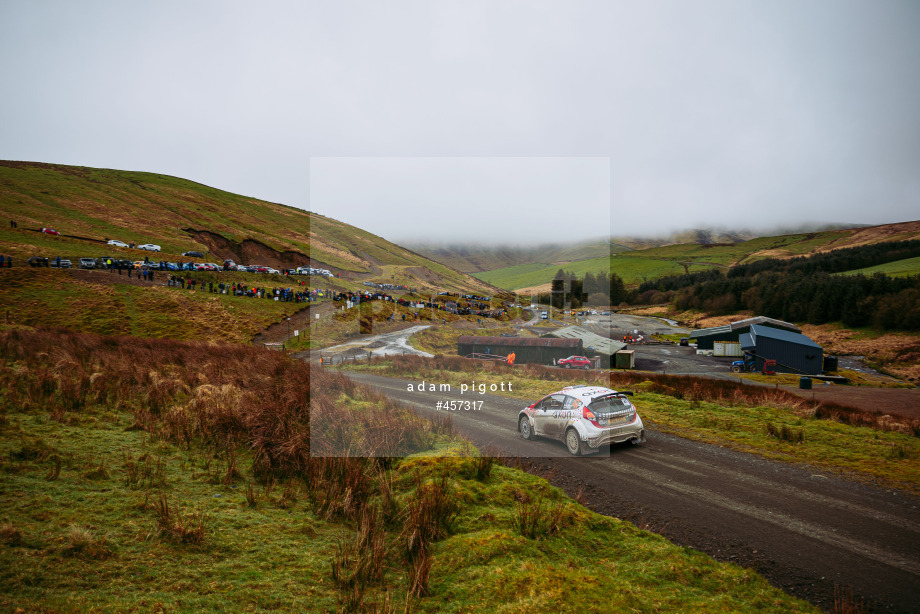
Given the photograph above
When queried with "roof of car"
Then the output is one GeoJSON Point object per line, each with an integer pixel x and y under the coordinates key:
{"type": "Point", "coordinates": [587, 392]}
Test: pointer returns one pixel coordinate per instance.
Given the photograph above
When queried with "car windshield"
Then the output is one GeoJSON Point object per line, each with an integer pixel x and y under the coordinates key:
{"type": "Point", "coordinates": [608, 404]}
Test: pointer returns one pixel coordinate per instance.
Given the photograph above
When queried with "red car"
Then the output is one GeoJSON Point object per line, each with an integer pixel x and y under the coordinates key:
{"type": "Point", "coordinates": [575, 362]}
{"type": "Point", "coordinates": [50, 231]}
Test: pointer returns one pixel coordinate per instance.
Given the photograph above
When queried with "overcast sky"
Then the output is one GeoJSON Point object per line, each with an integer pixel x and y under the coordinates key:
{"type": "Point", "coordinates": [647, 116]}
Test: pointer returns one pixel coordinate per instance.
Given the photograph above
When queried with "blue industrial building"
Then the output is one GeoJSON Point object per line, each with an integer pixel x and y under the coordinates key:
{"type": "Point", "coordinates": [793, 352]}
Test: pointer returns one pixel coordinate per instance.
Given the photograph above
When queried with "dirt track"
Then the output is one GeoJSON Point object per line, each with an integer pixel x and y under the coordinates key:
{"type": "Point", "coordinates": [804, 530]}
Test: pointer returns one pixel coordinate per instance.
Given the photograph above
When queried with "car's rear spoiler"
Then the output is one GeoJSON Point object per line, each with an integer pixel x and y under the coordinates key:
{"type": "Point", "coordinates": [624, 393]}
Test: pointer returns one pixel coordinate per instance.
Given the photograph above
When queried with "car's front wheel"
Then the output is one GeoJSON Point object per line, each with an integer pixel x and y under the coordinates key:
{"type": "Point", "coordinates": [524, 428]}
{"type": "Point", "coordinates": [567, 366]}
{"type": "Point", "coordinates": [572, 442]}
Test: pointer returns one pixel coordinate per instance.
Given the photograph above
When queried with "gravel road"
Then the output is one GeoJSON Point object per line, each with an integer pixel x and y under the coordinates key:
{"type": "Point", "coordinates": [805, 530]}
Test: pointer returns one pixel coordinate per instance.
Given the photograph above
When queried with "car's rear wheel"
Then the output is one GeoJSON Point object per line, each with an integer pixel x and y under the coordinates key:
{"type": "Point", "coordinates": [524, 428]}
{"type": "Point", "coordinates": [572, 442]}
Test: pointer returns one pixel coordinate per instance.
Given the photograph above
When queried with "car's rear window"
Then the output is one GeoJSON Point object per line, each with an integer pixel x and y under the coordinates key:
{"type": "Point", "coordinates": [608, 404]}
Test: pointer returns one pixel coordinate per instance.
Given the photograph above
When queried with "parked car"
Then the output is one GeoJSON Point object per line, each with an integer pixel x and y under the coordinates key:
{"type": "Point", "coordinates": [37, 261]}
{"type": "Point", "coordinates": [149, 247]}
{"type": "Point", "coordinates": [269, 269]}
{"type": "Point", "coordinates": [50, 231]}
{"type": "Point", "coordinates": [64, 264]}
{"type": "Point", "coordinates": [116, 243]}
{"type": "Point", "coordinates": [87, 263]}
{"type": "Point", "coordinates": [584, 417]}
{"type": "Point", "coordinates": [574, 362]}
{"type": "Point", "coordinates": [193, 254]}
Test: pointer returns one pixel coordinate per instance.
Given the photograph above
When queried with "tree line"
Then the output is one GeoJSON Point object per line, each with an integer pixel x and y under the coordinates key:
{"type": "Point", "coordinates": [597, 289]}
{"type": "Point", "coordinates": [803, 289]}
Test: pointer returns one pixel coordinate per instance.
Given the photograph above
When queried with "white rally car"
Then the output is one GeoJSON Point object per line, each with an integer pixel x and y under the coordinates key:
{"type": "Point", "coordinates": [584, 417]}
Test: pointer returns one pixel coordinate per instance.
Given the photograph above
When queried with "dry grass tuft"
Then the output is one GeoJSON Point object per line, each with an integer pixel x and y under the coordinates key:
{"type": "Point", "coordinates": [83, 543]}
{"type": "Point", "coordinates": [534, 519]}
{"type": "Point", "coordinates": [174, 527]}
{"type": "Point", "coordinates": [10, 535]}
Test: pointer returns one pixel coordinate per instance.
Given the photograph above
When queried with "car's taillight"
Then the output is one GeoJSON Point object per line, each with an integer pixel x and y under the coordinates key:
{"type": "Point", "coordinates": [588, 414]}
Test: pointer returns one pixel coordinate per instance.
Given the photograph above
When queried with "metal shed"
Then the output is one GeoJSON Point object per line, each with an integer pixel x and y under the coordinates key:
{"type": "Point", "coordinates": [527, 349]}
{"type": "Point", "coordinates": [706, 337]}
{"type": "Point", "coordinates": [793, 352]}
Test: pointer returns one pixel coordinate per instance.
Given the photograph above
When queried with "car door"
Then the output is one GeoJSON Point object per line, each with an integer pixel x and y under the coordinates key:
{"type": "Point", "coordinates": [547, 419]}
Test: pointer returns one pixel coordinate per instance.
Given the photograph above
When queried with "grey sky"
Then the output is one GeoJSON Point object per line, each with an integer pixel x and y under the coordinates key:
{"type": "Point", "coordinates": [708, 113]}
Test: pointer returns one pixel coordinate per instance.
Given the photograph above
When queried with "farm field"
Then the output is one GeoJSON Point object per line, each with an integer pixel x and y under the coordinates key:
{"type": "Point", "coordinates": [632, 267]}
{"type": "Point", "coordinates": [900, 268]}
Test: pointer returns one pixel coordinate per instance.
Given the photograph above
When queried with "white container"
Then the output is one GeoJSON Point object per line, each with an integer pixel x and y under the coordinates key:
{"type": "Point", "coordinates": [726, 348]}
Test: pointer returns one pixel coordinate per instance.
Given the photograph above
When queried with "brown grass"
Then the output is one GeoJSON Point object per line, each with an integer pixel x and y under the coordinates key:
{"type": "Point", "coordinates": [173, 526]}
{"type": "Point", "coordinates": [897, 353]}
{"type": "Point", "coordinates": [534, 519]}
{"type": "Point", "coordinates": [683, 387]}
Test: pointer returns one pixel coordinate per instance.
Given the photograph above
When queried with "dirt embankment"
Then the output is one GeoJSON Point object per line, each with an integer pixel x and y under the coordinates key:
{"type": "Point", "coordinates": [251, 251]}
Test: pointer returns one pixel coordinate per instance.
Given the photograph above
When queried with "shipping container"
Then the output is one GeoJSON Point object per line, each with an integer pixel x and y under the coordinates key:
{"type": "Point", "coordinates": [726, 348]}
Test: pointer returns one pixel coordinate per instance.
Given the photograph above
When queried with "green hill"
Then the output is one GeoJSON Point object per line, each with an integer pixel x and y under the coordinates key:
{"type": "Point", "coordinates": [89, 205]}
{"type": "Point", "coordinates": [900, 268]}
{"type": "Point", "coordinates": [632, 270]}
{"type": "Point", "coordinates": [482, 258]}
{"type": "Point", "coordinates": [636, 266]}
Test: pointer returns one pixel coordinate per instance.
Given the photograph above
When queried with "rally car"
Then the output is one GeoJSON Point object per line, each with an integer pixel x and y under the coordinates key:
{"type": "Point", "coordinates": [584, 417]}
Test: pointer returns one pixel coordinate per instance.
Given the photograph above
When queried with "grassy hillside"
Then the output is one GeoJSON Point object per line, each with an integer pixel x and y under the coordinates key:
{"type": "Point", "coordinates": [89, 205]}
{"type": "Point", "coordinates": [783, 246]}
{"type": "Point", "coordinates": [636, 266]}
{"type": "Point", "coordinates": [900, 268]}
{"type": "Point", "coordinates": [631, 266]}
{"type": "Point", "coordinates": [479, 258]}
{"type": "Point", "coordinates": [109, 304]}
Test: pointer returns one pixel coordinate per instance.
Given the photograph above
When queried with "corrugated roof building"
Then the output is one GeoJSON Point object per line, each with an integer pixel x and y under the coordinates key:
{"type": "Point", "coordinates": [706, 337]}
{"type": "Point", "coordinates": [538, 350]}
{"type": "Point", "coordinates": [602, 346]}
{"type": "Point", "coordinates": [793, 352]}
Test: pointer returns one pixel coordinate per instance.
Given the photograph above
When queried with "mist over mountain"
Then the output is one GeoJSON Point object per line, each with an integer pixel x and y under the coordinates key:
{"type": "Point", "coordinates": [475, 257]}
